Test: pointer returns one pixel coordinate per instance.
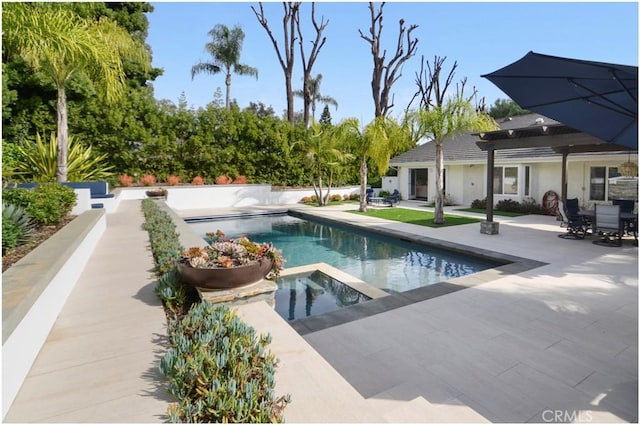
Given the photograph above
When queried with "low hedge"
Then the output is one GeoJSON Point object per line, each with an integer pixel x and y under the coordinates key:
{"type": "Point", "coordinates": [218, 369]}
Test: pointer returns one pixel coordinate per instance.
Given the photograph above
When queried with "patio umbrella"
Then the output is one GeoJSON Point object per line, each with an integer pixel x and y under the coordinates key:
{"type": "Point", "coordinates": [600, 99]}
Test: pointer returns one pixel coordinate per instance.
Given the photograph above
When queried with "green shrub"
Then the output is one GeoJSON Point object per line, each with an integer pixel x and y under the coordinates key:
{"type": "Point", "coordinates": [17, 226]}
{"type": "Point", "coordinates": [530, 206]}
{"type": "Point", "coordinates": [480, 204]}
{"type": "Point", "coordinates": [52, 202]}
{"type": "Point", "coordinates": [219, 370]}
{"type": "Point", "coordinates": [18, 196]}
{"type": "Point", "coordinates": [47, 203]}
{"type": "Point", "coordinates": [508, 205]}
{"type": "Point", "coordinates": [335, 198]}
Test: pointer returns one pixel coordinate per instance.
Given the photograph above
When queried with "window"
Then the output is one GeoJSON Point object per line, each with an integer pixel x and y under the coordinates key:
{"type": "Point", "coordinates": [598, 179]}
{"type": "Point", "coordinates": [527, 180]}
{"type": "Point", "coordinates": [505, 180]}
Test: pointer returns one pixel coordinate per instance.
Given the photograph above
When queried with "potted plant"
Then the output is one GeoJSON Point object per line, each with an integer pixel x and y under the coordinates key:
{"type": "Point", "coordinates": [229, 263]}
{"type": "Point", "coordinates": [159, 192]}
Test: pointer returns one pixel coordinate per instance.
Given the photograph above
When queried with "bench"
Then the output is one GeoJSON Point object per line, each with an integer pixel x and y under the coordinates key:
{"type": "Point", "coordinates": [98, 189]}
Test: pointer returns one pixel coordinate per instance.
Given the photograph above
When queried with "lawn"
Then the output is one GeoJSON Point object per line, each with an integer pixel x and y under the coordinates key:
{"type": "Point", "coordinates": [421, 218]}
{"type": "Point", "coordinates": [502, 213]}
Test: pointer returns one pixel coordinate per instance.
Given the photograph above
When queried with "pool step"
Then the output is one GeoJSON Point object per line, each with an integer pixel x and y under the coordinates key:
{"type": "Point", "coordinates": [419, 410]}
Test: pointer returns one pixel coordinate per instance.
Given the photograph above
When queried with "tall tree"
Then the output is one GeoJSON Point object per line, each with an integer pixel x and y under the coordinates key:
{"type": "Point", "coordinates": [313, 90]}
{"type": "Point", "coordinates": [291, 14]}
{"type": "Point", "coordinates": [325, 117]}
{"type": "Point", "coordinates": [440, 116]}
{"type": "Point", "coordinates": [225, 48]}
{"type": "Point", "coordinates": [307, 64]}
{"type": "Point", "coordinates": [386, 74]}
{"type": "Point", "coordinates": [62, 44]}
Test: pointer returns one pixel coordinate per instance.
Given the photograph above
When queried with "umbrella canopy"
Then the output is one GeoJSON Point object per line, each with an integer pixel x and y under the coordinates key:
{"type": "Point", "coordinates": [600, 99]}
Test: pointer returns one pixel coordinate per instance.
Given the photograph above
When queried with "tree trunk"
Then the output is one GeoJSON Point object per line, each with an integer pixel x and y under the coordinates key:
{"type": "Point", "coordinates": [62, 135]}
{"type": "Point", "coordinates": [227, 82]}
{"type": "Point", "coordinates": [363, 185]}
{"type": "Point", "coordinates": [439, 212]}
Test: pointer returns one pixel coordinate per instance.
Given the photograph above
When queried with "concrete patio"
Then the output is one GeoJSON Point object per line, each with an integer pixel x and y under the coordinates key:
{"type": "Point", "coordinates": [556, 343]}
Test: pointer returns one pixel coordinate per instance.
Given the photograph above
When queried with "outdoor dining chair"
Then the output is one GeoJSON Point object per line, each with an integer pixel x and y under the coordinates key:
{"type": "Point", "coordinates": [608, 223]}
{"type": "Point", "coordinates": [576, 225]}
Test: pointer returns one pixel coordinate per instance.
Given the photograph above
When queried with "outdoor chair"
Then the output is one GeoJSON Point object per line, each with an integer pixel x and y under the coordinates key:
{"type": "Point", "coordinates": [576, 224]}
{"type": "Point", "coordinates": [608, 224]}
{"type": "Point", "coordinates": [369, 195]}
{"type": "Point", "coordinates": [627, 206]}
{"type": "Point", "coordinates": [393, 199]}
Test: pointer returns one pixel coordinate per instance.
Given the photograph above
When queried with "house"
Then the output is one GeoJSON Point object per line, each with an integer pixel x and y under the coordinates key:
{"type": "Point", "coordinates": [518, 173]}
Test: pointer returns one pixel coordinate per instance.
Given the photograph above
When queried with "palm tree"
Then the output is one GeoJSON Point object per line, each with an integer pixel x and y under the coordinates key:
{"type": "Point", "coordinates": [225, 47]}
{"type": "Point", "coordinates": [437, 123]}
{"type": "Point", "coordinates": [316, 97]}
{"type": "Point", "coordinates": [325, 153]}
{"type": "Point", "coordinates": [54, 40]}
{"type": "Point", "coordinates": [376, 143]}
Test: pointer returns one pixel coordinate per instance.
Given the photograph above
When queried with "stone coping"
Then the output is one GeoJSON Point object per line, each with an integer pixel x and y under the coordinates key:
{"type": "Point", "coordinates": [188, 237]}
{"type": "Point", "coordinates": [24, 282]}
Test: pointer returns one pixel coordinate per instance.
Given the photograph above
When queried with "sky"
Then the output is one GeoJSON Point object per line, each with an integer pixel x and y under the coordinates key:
{"type": "Point", "coordinates": [480, 37]}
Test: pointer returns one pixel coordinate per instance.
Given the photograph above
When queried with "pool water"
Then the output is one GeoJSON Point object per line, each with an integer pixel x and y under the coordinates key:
{"type": "Point", "coordinates": [309, 294]}
{"type": "Point", "coordinates": [386, 263]}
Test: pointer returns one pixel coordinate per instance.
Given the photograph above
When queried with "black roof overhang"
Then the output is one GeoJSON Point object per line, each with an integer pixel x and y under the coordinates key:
{"type": "Point", "coordinates": [559, 137]}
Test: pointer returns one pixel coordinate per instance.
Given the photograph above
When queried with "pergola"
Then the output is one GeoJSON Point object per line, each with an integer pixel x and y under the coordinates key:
{"type": "Point", "coordinates": [561, 138]}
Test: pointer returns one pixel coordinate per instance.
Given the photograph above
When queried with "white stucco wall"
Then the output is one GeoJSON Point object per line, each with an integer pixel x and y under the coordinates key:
{"type": "Point", "coordinates": [474, 178]}
{"type": "Point", "coordinates": [468, 182]}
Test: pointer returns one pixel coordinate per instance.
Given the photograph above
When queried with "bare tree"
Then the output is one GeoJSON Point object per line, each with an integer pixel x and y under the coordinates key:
{"type": "Point", "coordinates": [307, 65]}
{"type": "Point", "coordinates": [432, 91]}
{"type": "Point", "coordinates": [439, 117]}
{"type": "Point", "coordinates": [386, 74]}
{"type": "Point", "coordinates": [291, 16]}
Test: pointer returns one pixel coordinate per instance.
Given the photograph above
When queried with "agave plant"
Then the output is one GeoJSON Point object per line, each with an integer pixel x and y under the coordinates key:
{"type": "Point", "coordinates": [38, 162]}
{"type": "Point", "coordinates": [17, 226]}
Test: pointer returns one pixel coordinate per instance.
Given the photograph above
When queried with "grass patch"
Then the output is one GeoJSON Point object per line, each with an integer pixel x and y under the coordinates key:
{"type": "Point", "coordinates": [421, 218]}
{"type": "Point", "coordinates": [502, 213]}
{"type": "Point", "coordinates": [332, 203]}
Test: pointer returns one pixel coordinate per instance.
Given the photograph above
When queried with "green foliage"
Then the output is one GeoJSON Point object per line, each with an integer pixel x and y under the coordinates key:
{"type": "Point", "coordinates": [38, 162]}
{"type": "Point", "coordinates": [508, 205]}
{"type": "Point", "coordinates": [17, 226]}
{"type": "Point", "coordinates": [52, 202]}
{"type": "Point", "coordinates": [225, 48]}
{"type": "Point", "coordinates": [18, 196]}
{"type": "Point", "coordinates": [219, 370]}
{"type": "Point", "coordinates": [530, 206]}
{"type": "Point", "coordinates": [503, 108]}
{"type": "Point", "coordinates": [172, 291]}
{"type": "Point", "coordinates": [165, 244]}
{"type": "Point", "coordinates": [479, 204]}
{"type": "Point", "coordinates": [47, 203]}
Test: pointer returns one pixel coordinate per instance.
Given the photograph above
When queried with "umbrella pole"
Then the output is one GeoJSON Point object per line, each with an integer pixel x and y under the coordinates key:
{"type": "Point", "coordinates": [563, 195]}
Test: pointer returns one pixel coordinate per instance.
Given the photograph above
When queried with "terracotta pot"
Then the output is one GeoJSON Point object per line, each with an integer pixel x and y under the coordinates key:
{"type": "Point", "coordinates": [234, 277]}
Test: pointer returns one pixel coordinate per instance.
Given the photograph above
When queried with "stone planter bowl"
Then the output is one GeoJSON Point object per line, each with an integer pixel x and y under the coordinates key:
{"type": "Point", "coordinates": [216, 279]}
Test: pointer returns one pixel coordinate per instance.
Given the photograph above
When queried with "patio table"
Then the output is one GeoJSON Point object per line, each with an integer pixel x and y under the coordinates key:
{"type": "Point", "coordinates": [626, 219]}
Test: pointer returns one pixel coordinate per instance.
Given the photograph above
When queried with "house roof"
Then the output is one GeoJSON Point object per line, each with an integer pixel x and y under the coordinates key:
{"type": "Point", "coordinates": [463, 148]}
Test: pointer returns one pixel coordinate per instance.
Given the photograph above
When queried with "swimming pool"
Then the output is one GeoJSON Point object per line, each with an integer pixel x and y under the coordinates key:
{"type": "Point", "coordinates": [389, 264]}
